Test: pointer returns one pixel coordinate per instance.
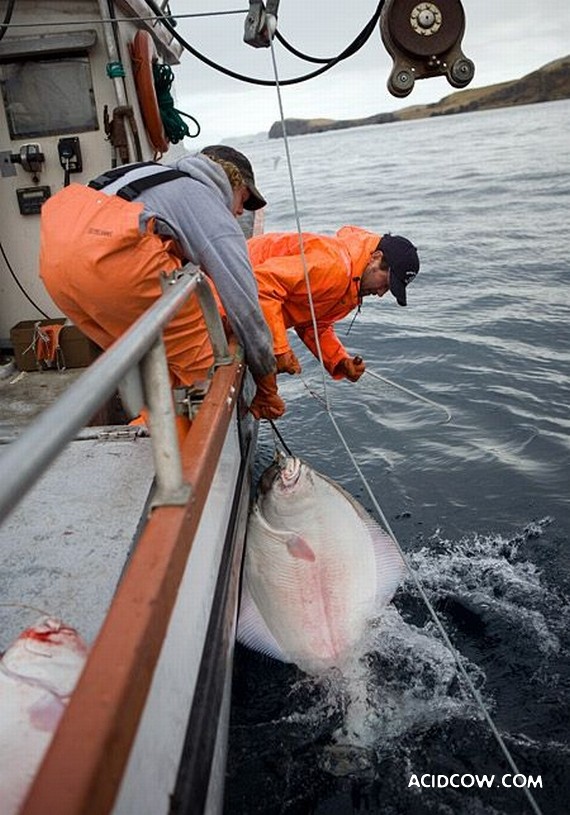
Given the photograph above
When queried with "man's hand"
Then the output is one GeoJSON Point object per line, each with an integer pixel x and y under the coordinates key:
{"type": "Point", "coordinates": [287, 363]}
{"type": "Point", "coordinates": [267, 404]}
{"type": "Point", "coordinates": [351, 368]}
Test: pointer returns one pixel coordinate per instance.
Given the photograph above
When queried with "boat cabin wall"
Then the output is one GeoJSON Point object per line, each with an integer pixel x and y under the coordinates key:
{"type": "Point", "coordinates": [55, 85]}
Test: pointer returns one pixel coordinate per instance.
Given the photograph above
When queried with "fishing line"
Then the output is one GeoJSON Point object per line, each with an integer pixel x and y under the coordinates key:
{"type": "Point", "coordinates": [27, 607]}
{"type": "Point", "coordinates": [313, 393]}
{"type": "Point", "coordinates": [271, 25]}
{"type": "Point", "coordinates": [456, 656]}
{"type": "Point", "coordinates": [411, 393]}
{"type": "Point", "coordinates": [385, 379]}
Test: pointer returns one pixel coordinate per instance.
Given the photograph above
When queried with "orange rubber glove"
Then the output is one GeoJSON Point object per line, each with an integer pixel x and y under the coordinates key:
{"type": "Point", "coordinates": [267, 404]}
{"type": "Point", "coordinates": [351, 368]}
{"type": "Point", "coordinates": [287, 363]}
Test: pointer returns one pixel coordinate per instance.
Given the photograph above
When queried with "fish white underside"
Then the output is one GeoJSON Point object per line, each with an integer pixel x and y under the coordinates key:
{"type": "Point", "coordinates": [37, 677]}
{"type": "Point", "coordinates": [29, 717]}
{"type": "Point", "coordinates": [317, 569]}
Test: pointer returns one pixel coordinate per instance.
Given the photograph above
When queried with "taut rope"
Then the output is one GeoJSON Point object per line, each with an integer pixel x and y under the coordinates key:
{"type": "Point", "coordinates": [271, 23]}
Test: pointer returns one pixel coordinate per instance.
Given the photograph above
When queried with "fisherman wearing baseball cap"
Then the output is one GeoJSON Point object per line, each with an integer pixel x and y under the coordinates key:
{"type": "Point", "coordinates": [344, 268]}
{"type": "Point", "coordinates": [401, 258]}
{"type": "Point", "coordinates": [221, 153]}
{"type": "Point", "coordinates": [105, 244]}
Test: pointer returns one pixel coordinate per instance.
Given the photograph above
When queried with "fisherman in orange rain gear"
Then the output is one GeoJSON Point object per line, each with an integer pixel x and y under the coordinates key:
{"type": "Point", "coordinates": [104, 246]}
{"type": "Point", "coordinates": [342, 270]}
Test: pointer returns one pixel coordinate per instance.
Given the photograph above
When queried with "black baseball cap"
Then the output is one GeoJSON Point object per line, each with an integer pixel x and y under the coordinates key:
{"type": "Point", "coordinates": [225, 153]}
{"type": "Point", "coordinates": [402, 258]}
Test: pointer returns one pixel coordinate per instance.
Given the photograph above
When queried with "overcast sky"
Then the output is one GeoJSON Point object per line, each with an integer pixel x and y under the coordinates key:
{"type": "Point", "coordinates": [504, 38]}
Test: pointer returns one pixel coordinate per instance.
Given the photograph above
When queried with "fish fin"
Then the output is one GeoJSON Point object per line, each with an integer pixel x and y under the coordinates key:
{"type": "Point", "coordinates": [296, 545]}
{"type": "Point", "coordinates": [390, 567]}
{"type": "Point", "coordinates": [299, 548]}
{"type": "Point", "coordinates": [252, 630]}
{"type": "Point", "coordinates": [46, 713]}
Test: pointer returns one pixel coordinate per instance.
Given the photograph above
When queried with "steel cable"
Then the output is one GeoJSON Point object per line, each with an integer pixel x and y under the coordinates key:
{"type": "Point", "coordinates": [439, 625]}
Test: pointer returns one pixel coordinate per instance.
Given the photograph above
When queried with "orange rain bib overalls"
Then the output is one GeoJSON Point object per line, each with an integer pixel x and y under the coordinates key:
{"type": "Point", "coordinates": [103, 272]}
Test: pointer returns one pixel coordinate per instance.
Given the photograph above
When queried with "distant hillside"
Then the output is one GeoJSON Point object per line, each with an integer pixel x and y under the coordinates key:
{"type": "Point", "coordinates": [547, 84]}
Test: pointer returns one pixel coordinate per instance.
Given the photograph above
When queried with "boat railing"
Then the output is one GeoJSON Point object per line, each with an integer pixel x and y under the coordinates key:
{"type": "Point", "coordinates": [135, 365]}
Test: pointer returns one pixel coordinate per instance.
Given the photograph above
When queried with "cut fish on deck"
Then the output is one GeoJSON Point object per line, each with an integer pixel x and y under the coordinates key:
{"type": "Point", "coordinates": [37, 675]}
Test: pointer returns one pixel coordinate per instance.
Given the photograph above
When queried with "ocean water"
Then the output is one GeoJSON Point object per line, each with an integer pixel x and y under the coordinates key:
{"type": "Point", "coordinates": [480, 504]}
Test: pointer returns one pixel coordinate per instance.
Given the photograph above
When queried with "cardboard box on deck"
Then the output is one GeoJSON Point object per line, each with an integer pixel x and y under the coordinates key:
{"type": "Point", "coordinates": [77, 350]}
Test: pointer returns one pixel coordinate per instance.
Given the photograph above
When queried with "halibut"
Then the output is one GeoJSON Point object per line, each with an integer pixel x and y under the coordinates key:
{"type": "Point", "coordinates": [317, 568]}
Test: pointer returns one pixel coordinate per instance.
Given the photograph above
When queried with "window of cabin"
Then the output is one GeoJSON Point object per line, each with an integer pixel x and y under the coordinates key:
{"type": "Point", "coordinates": [48, 95]}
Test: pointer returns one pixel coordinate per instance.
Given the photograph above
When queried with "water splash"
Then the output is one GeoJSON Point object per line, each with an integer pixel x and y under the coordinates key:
{"type": "Point", "coordinates": [404, 681]}
{"type": "Point", "coordinates": [484, 587]}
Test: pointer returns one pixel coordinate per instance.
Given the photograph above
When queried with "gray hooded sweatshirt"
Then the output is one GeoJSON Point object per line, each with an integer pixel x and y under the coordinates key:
{"type": "Point", "coordinates": [196, 211]}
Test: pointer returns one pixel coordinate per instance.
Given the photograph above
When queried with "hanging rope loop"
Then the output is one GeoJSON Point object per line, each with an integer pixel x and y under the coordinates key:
{"type": "Point", "coordinates": [174, 126]}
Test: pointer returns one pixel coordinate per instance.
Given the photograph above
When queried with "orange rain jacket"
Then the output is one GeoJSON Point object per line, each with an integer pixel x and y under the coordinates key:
{"type": "Point", "coordinates": [334, 265]}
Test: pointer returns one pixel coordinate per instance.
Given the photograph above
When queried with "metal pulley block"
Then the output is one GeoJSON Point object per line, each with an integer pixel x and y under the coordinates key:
{"type": "Point", "coordinates": [424, 40]}
{"type": "Point", "coordinates": [260, 23]}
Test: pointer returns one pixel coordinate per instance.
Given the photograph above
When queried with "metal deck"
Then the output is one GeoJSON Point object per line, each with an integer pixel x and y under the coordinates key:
{"type": "Point", "coordinates": [59, 552]}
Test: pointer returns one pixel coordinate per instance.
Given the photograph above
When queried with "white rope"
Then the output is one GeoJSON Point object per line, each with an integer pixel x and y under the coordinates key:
{"type": "Point", "coordinates": [457, 657]}
{"type": "Point", "coordinates": [298, 219]}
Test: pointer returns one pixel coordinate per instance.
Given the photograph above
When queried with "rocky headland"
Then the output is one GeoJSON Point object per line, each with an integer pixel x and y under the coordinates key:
{"type": "Point", "coordinates": [547, 84]}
